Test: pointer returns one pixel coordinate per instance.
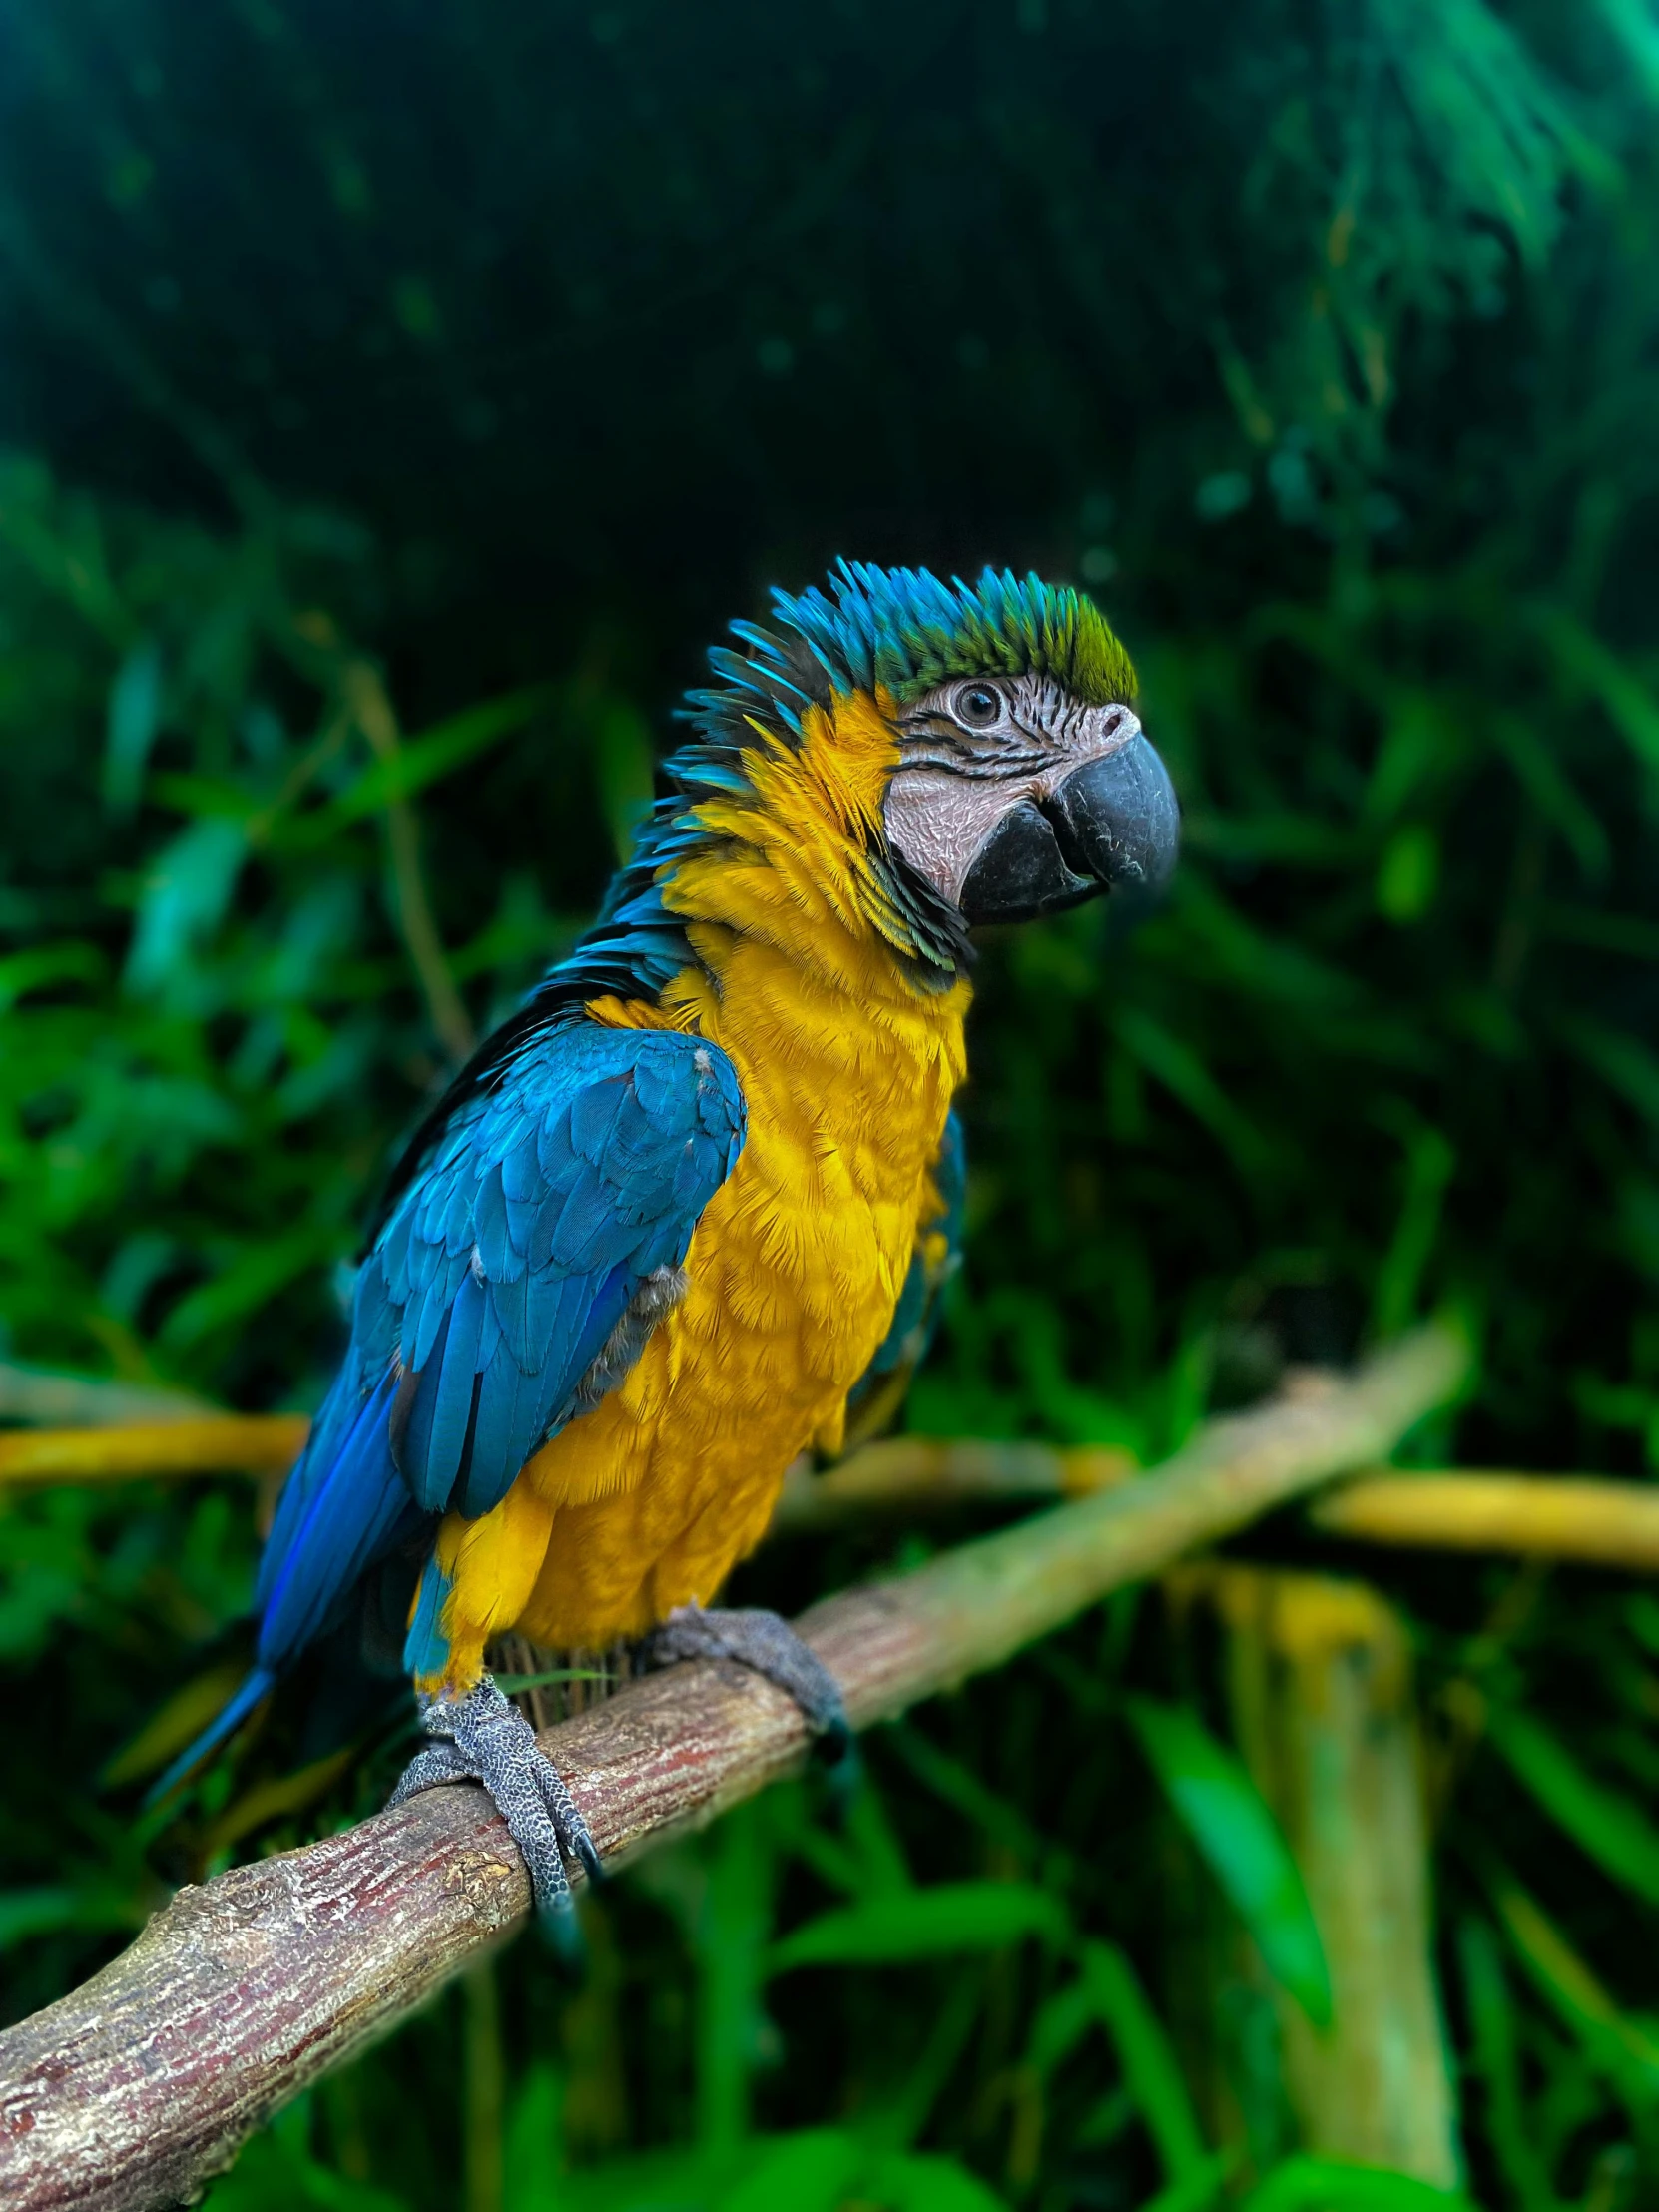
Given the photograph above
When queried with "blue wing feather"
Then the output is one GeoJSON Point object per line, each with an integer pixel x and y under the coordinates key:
{"type": "Point", "coordinates": [502, 1268]}
{"type": "Point", "coordinates": [341, 1509]}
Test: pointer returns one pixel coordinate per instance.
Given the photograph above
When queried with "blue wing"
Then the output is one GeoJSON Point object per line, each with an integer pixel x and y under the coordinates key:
{"type": "Point", "coordinates": [503, 1266]}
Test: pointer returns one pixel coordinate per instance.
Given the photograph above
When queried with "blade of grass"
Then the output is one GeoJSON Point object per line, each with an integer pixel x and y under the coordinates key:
{"type": "Point", "coordinates": [1604, 1825]}
{"type": "Point", "coordinates": [1239, 1841]}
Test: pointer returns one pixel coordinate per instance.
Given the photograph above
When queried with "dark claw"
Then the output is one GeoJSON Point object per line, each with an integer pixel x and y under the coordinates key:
{"type": "Point", "coordinates": [482, 1737]}
{"type": "Point", "coordinates": [764, 1641]}
{"type": "Point", "coordinates": [572, 1830]}
{"type": "Point", "coordinates": [840, 1748]}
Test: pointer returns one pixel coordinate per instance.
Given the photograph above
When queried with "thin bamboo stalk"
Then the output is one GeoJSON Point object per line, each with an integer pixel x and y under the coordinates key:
{"type": "Point", "coordinates": [130, 2092]}
{"type": "Point", "coordinates": [1601, 1523]}
{"type": "Point", "coordinates": [1591, 1520]}
{"type": "Point", "coordinates": [44, 1397]}
{"type": "Point", "coordinates": [1319, 1681]}
{"type": "Point", "coordinates": [219, 1443]}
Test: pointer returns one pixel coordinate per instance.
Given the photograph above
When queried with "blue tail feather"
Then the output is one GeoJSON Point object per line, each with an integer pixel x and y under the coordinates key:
{"type": "Point", "coordinates": [337, 1515]}
{"type": "Point", "coordinates": [254, 1686]}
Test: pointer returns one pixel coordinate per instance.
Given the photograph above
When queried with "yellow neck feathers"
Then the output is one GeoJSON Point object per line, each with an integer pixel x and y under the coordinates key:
{"type": "Point", "coordinates": [791, 861]}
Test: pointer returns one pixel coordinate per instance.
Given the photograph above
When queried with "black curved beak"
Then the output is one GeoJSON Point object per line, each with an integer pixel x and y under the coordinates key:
{"type": "Point", "coordinates": [1113, 824]}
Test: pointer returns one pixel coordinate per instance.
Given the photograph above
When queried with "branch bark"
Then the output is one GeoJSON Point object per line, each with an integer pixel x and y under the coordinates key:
{"type": "Point", "coordinates": [134, 2090]}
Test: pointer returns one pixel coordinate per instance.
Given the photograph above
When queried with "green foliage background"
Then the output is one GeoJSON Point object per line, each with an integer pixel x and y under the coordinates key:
{"type": "Point", "coordinates": [516, 348]}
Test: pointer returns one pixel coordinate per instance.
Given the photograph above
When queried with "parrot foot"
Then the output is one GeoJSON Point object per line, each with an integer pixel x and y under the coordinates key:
{"type": "Point", "coordinates": [483, 1736]}
{"type": "Point", "coordinates": [765, 1641]}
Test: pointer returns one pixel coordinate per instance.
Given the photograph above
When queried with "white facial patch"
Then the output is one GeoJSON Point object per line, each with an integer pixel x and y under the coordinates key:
{"type": "Point", "coordinates": [972, 750]}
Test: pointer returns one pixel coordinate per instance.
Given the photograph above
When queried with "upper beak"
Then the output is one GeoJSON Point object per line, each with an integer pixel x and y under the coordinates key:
{"type": "Point", "coordinates": [1116, 819]}
{"type": "Point", "coordinates": [1112, 825]}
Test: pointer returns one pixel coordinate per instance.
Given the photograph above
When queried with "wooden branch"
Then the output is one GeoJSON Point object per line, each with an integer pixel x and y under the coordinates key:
{"type": "Point", "coordinates": [1607, 1524]}
{"type": "Point", "coordinates": [134, 2090]}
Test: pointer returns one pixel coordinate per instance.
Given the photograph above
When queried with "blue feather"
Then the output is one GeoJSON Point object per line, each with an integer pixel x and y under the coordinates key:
{"type": "Point", "coordinates": [347, 1511]}
{"type": "Point", "coordinates": [499, 1255]}
{"type": "Point", "coordinates": [427, 1647]}
{"type": "Point", "coordinates": [254, 1687]}
{"type": "Point", "coordinates": [586, 1137]}
{"type": "Point", "coordinates": [449, 1384]}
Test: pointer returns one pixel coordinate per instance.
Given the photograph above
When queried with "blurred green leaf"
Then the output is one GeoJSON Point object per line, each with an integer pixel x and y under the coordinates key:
{"type": "Point", "coordinates": [1062, 2021]}
{"type": "Point", "coordinates": [1174, 1063]}
{"type": "Point", "coordinates": [249, 1282]}
{"type": "Point", "coordinates": [276, 2172]}
{"type": "Point", "coordinates": [533, 2148]}
{"type": "Point", "coordinates": [1409, 874]}
{"type": "Point", "coordinates": [1238, 1838]}
{"type": "Point", "coordinates": [826, 2169]}
{"type": "Point", "coordinates": [176, 1722]}
{"type": "Point", "coordinates": [1624, 1064]}
{"type": "Point", "coordinates": [435, 752]}
{"type": "Point", "coordinates": [1150, 2068]}
{"type": "Point", "coordinates": [896, 1927]}
{"type": "Point", "coordinates": [625, 760]}
{"type": "Point", "coordinates": [919, 2182]}
{"type": "Point", "coordinates": [47, 966]}
{"type": "Point", "coordinates": [184, 900]}
{"type": "Point", "coordinates": [1602, 1822]}
{"type": "Point", "coordinates": [814, 2170]}
{"type": "Point", "coordinates": [1196, 2189]}
{"type": "Point", "coordinates": [46, 1911]}
{"type": "Point", "coordinates": [1497, 2058]}
{"type": "Point", "coordinates": [1586, 660]}
{"type": "Point", "coordinates": [1552, 791]}
{"type": "Point", "coordinates": [1620, 2046]}
{"type": "Point", "coordinates": [1429, 1165]}
{"type": "Point", "coordinates": [1329, 2185]}
{"type": "Point", "coordinates": [135, 717]}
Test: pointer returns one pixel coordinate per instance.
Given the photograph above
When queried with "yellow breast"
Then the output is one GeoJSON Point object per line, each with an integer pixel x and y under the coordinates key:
{"type": "Point", "coordinates": [794, 1269]}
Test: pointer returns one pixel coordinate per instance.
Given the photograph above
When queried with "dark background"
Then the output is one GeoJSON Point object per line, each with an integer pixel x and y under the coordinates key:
{"type": "Point", "coordinates": [527, 344]}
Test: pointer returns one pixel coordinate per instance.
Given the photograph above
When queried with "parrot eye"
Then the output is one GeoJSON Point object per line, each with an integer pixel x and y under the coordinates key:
{"type": "Point", "coordinates": [978, 706]}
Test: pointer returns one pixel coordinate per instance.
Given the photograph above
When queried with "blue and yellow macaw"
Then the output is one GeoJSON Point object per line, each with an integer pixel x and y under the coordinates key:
{"type": "Point", "coordinates": [688, 1199]}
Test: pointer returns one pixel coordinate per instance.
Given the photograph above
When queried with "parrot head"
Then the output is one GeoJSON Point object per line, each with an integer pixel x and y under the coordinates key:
{"type": "Point", "coordinates": [1018, 778]}
{"type": "Point", "coordinates": [1014, 797]}
{"type": "Point", "coordinates": [903, 755]}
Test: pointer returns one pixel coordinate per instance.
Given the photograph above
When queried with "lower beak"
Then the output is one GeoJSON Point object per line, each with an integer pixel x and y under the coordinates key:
{"type": "Point", "coordinates": [1113, 824]}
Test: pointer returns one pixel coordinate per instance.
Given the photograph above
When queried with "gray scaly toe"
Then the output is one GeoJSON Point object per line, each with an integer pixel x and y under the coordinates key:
{"type": "Point", "coordinates": [765, 1643]}
{"type": "Point", "coordinates": [483, 1736]}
